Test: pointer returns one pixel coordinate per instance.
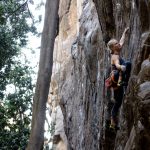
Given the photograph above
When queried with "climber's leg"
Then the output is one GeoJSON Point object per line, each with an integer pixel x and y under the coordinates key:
{"type": "Point", "coordinates": [120, 79]}
{"type": "Point", "coordinates": [118, 95]}
{"type": "Point", "coordinates": [108, 110]}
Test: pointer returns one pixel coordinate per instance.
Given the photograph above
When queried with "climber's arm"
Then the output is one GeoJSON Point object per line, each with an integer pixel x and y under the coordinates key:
{"type": "Point", "coordinates": [122, 40]}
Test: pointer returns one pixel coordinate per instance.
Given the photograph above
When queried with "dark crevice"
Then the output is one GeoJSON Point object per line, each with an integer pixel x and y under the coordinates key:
{"type": "Point", "coordinates": [106, 18]}
{"type": "Point", "coordinates": [144, 15]}
{"type": "Point", "coordinates": [69, 5]}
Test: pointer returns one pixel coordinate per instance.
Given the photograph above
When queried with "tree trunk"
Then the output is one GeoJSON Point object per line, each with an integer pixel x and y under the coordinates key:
{"type": "Point", "coordinates": [44, 75]}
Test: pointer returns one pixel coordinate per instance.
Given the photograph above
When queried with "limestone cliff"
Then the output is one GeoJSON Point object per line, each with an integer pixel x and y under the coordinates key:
{"type": "Point", "coordinates": [80, 63]}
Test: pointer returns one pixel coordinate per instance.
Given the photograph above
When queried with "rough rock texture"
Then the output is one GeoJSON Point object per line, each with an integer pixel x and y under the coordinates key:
{"type": "Point", "coordinates": [135, 115]}
{"type": "Point", "coordinates": [135, 14]}
{"type": "Point", "coordinates": [80, 64]}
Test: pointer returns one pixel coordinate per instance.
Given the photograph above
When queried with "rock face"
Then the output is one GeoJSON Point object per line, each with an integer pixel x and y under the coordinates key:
{"type": "Point", "coordinates": [80, 63]}
{"type": "Point", "coordinates": [135, 112]}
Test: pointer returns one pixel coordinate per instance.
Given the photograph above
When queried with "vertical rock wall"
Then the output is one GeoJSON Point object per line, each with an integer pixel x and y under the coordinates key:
{"type": "Point", "coordinates": [134, 122]}
{"type": "Point", "coordinates": [80, 63]}
{"type": "Point", "coordinates": [79, 71]}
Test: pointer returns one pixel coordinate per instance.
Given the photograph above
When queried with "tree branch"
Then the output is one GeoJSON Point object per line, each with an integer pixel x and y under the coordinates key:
{"type": "Point", "coordinates": [17, 9]}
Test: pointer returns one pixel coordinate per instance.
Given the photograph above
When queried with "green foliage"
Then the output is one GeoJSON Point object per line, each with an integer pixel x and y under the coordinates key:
{"type": "Point", "coordinates": [15, 110]}
{"type": "Point", "coordinates": [14, 26]}
{"type": "Point", "coordinates": [16, 21]}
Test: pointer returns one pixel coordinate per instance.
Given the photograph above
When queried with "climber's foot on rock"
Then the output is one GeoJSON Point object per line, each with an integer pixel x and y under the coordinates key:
{"type": "Point", "coordinates": [114, 127]}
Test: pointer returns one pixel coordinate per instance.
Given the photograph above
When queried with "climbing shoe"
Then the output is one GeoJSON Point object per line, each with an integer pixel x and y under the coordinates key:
{"type": "Point", "coordinates": [114, 127]}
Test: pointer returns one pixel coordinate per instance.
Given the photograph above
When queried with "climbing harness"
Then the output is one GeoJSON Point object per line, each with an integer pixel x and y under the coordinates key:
{"type": "Point", "coordinates": [110, 81]}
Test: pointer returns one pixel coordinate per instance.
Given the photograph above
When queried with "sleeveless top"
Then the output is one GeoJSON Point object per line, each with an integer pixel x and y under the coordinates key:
{"type": "Point", "coordinates": [113, 66]}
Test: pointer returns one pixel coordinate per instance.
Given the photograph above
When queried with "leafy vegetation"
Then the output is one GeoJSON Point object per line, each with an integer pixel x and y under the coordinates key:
{"type": "Point", "coordinates": [16, 87]}
{"type": "Point", "coordinates": [14, 18]}
{"type": "Point", "coordinates": [15, 109]}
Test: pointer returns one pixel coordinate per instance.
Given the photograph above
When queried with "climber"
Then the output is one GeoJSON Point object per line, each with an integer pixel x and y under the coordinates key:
{"type": "Point", "coordinates": [121, 71]}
